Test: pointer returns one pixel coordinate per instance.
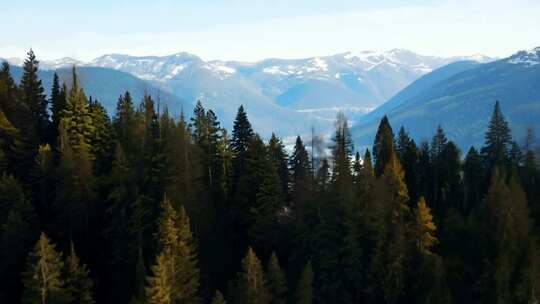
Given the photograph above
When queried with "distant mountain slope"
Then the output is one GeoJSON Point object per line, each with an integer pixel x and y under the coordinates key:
{"type": "Point", "coordinates": [462, 102]}
{"type": "Point", "coordinates": [106, 85]}
{"type": "Point", "coordinates": [282, 95]}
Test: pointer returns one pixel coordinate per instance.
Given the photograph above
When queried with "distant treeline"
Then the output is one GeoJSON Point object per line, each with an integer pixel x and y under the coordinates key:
{"type": "Point", "coordinates": [145, 208]}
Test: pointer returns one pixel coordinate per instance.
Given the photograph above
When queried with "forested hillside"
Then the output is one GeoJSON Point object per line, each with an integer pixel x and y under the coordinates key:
{"type": "Point", "coordinates": [143, 207]}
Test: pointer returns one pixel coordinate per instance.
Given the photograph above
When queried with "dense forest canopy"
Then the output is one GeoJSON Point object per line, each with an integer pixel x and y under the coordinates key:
{"type": "Point", "coordinates": [141, 207]}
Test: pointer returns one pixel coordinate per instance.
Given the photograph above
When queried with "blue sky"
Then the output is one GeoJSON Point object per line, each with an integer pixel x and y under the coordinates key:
{"type": "Point", "coordinates": [254, 29]}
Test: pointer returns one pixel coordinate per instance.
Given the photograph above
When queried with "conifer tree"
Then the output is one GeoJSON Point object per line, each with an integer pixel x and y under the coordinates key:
{"type": "Point", "coordinates": [58, 105]}
{"type": "Point", "coordinates": [300, 167]}
{"type": "Point", "coordinates": [34, 98]}
{"type": "Point", "coordinates": [124, 123]}
{"type": "Point", "coordinates": [160, 288]}
{"type": "Point", "coordinates": [18, 233]}
{"type": "Point", "coordinates": [264, 212]}
{"type": "Point", "coordinates": [76, 118]}
{"type": "Point", "coordinates": [77, 282]}
{"type": "Point", "coordinates": [424, 228]}
{"type": "Point", "coordinates": [74, 192]}
{"type": "Point", "coordinates": [407, 153]}
{"type": "Point", "coordinates": [218, 298]}
{"type": "Point", "coordinates": [497, 140]}
{"type": "Point", "coordinates": [278, 156]}
{"type": "Point", "coordinates": [43, 280]}
{"type": "Point", "coordinates": [305, 288]}
{"type": "Point", "coordinates": [251, 285]}
{"type": "Point", "coordinates": [277, 285]}
{"type": "Point", "coordinates": [242, 134]}
{"type": "Point", "coordinates": [101, 139]}
{"type": "Point", "coordinates": [383, 146]}
{"type": "Point", "coordinates": [10, 102]}
{"type": "Point", "coordinates": [175, 277]}
{"type": "Point", "coordinates": [389, 258]}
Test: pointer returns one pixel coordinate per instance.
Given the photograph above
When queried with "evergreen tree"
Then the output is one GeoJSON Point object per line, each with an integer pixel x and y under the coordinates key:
{"type": "Point", "coordinates": [407, 153]}
{"type": "Point", "coordinates": [175, 276]}
{"type": "Point", "coordinates": [18, 233]}
{"type": "Point", "coordinates": [218, 298]}
{"type": "Point", "coordinates": [58, 105]}
{"type": "Point", "coordinates": [383, 146]}
{"type": "Point", "coordinates": [76, 118]}
{"type": "Point", "coordinates": [300, 168]}
{"type": "Point", "coordinates": [264, 212]}
{"type": "Point", "coordinates": [77, 282]}
{"type": "Point", "coordinates": [10, 100]}
{"type": "Point", "coordinates": [390, 256]}
{"type": "Point", "coordinates": [424, 228]}
{"type": "Point", "coordinates": [34, 98]}
{"type": "Point", "coordinates": [305, 288]}
{"type": "Point", "coordinates": [43, 279]}
{"type": "Point", "coordinates": [497, 140]}
{"type": "Point", "coordinates": [277, 285]}
{"type": "Point", "coordinates": [251, 286]}
{"type": "Point", "coordinates": [242, 134]}
{"type": "Point", "coordinates": [124, 123]}
{"type": "Point", "coordinates": [101, 139]}
{"type": "Point", "coordinates": [160, 288]}
{"type": "Point", "coordinates": [278, 156]}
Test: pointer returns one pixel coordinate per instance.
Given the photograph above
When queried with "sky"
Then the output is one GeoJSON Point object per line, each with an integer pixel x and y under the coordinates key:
{"type": "Point", "coordinates": [250, 30]}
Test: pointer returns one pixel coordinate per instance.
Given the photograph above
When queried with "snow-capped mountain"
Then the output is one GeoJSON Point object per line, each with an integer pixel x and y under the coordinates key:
{"type": "Point", "coordinates": [304, 91]}
{"type": "Point", "coordinates": [460, 97]}
{"type": "Point", "coordinates": [526, 58]}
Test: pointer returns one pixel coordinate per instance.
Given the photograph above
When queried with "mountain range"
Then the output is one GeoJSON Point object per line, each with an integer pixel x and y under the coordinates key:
{"type": "Point", "coordinates": [460, 98]}
{"type": "Point", "coordinates": [297, 92]}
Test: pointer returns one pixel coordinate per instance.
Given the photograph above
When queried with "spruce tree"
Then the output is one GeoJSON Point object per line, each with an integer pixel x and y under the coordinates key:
{"type": "Point", "coordinates": [305, 289]}
{"type": "Point", "coordinates": [77, 282]}
{"type": "Point", "coordinates": [101, 139]}
{"type": "Point", "coordinates": [383, 146]}
{"type": "Point", "coordinates": [58, 104]}
{"type": "Point", "coordinates": [390, 255]}
{"type": "Point", "coordinates": [497, 140]}
{"type": "Point", "coordinates": [242, 134]}
{"type": "Point", "coordinates": [34, 98]}
{"type": "Point", "coordinates": [175, 277]}
{"type": "Point", "coordinates": [18, 233]}
{"type": "Point", "coordinates": [43, 280]}
{"type": "Point", "coordinates": [301, 178]}
{"type": "Point", "coordinates": [278, 156]}
{"type": "Point", "coordinates": [251, 284]}
{"type": "Point", "coordinates": [424, 228]}
{"type": "Point", "coordinates": [218, 298]}
{"type": "Point", "coordinates": [277, 285]}
{"type": "Point", "coordinates": [124, 123]}
{"type": "Point", "coordinates": [76, 118]}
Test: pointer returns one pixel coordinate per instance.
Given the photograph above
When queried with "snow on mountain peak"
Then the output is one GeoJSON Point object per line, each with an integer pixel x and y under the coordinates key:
{"type": "Point", "coordinates": [526, 58]}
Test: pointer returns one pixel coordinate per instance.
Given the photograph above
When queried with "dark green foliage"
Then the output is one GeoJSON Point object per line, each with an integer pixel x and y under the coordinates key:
{"type": "Point", "coordinates": [301, 178]}
{"type": "Point", "coordinates": [383, 146]}
{"type": "Point", "coordinates": [277, 285]}
{"type": "Point", "coordinates": [305, 289]}
{"type": "Point", "coordinates": [58, 105]}
{"type": "Point", "coordinates": [32, 94]}
{"type": "Point", "coordinates": [78, 282]}
{"type": "Point", "coordinates": [18, 233]}
{"type": "Point", "coordinates": [497, 140]}
{"type": "Point", "coordinates": [251, 283]}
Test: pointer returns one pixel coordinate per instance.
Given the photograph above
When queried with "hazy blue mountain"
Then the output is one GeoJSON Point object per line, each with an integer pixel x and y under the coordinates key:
{"type": "Point", "coordinates": [355, 82]}
{"type": "Point", "coordinates": [106, 85]}
{"type": "Point", "coordinates": [462, 101]}
{"type": "Point", "coordinates": [283, 95]}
